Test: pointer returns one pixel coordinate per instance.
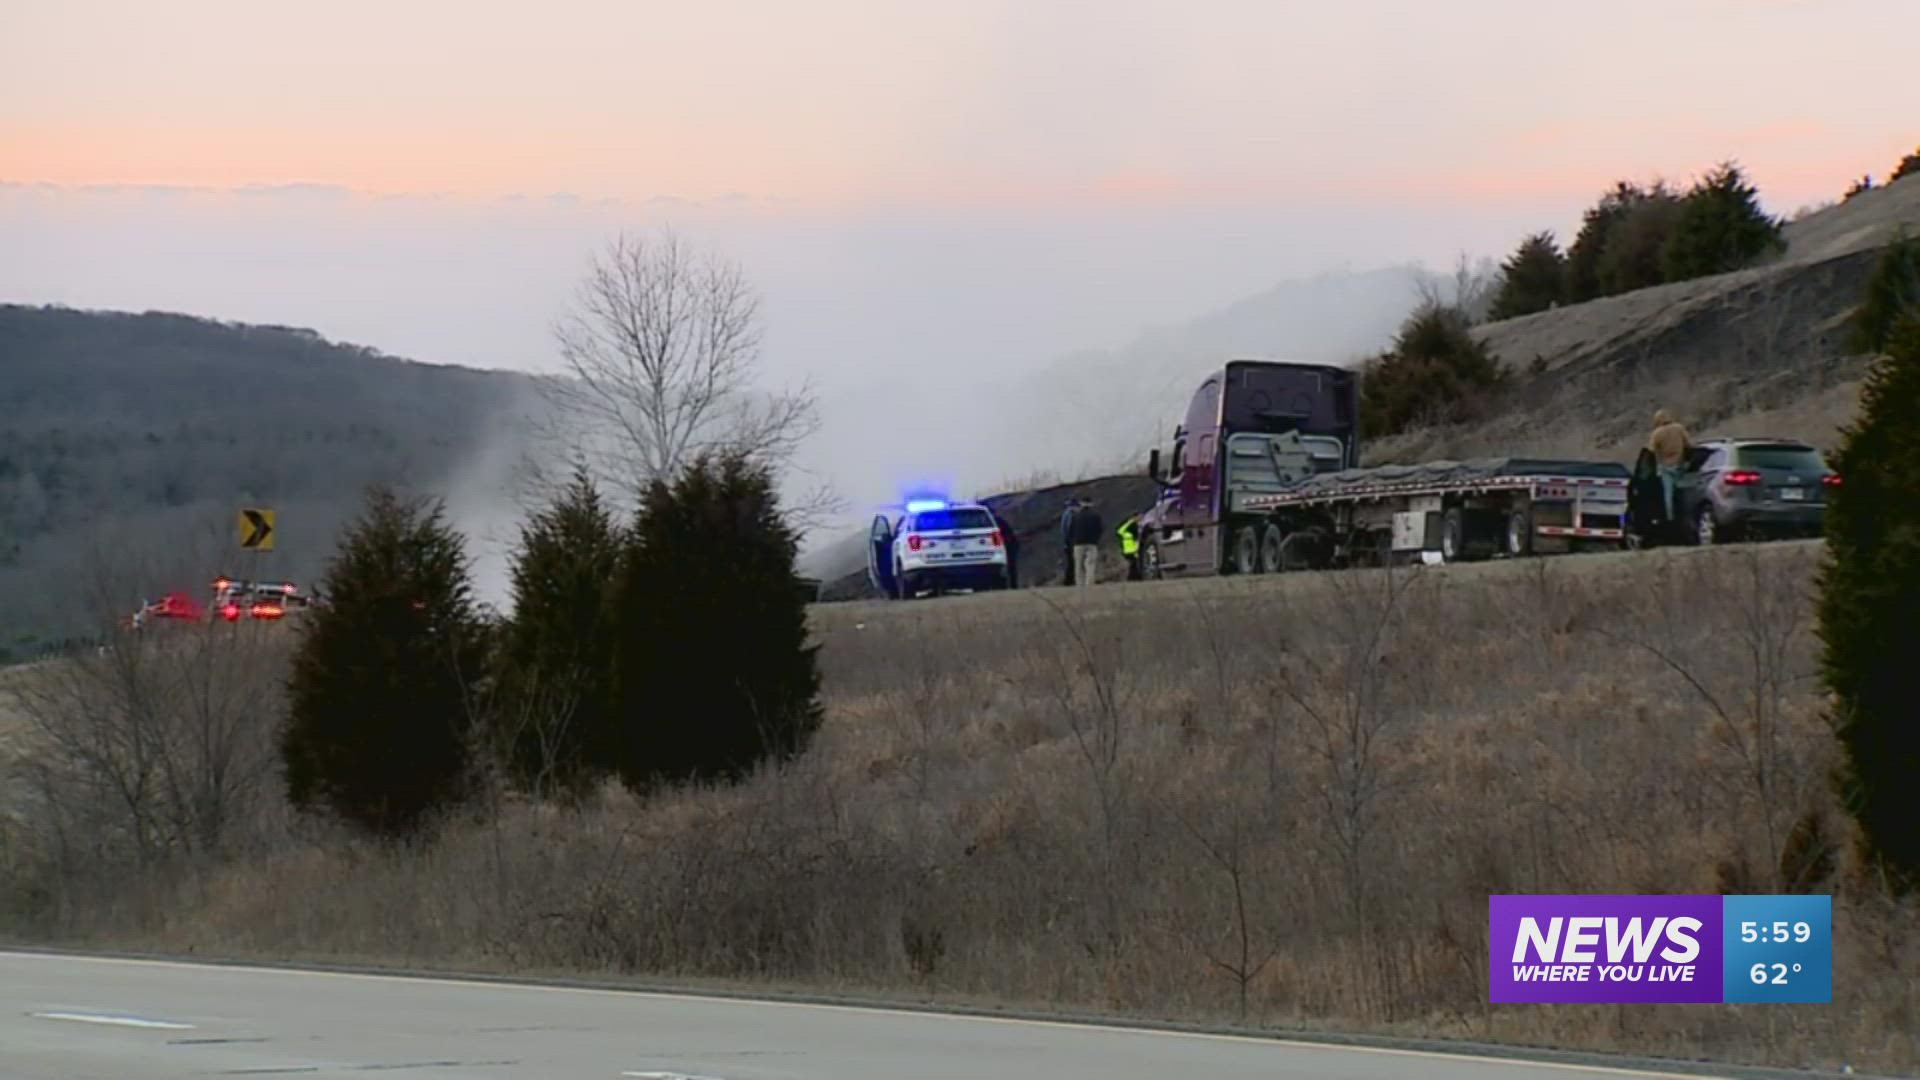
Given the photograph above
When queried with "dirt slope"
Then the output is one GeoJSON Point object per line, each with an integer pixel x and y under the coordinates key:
{"type": "Point", "coordinates": [1761, 350]}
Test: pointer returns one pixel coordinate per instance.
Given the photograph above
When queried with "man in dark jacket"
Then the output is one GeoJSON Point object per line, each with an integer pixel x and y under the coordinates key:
{"type": "Point", "coordinates": [1085, 531]}
{"type": "Point", "coordinates": [1012, 542]}
{"type": "Point", "coordinates": [1066, 541]}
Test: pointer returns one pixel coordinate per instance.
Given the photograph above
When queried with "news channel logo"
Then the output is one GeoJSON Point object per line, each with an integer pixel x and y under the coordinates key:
{"type": "Point", "coordinates": [1707, 950]}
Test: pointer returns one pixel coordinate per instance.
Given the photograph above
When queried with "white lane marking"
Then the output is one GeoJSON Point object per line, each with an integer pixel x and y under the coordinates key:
{"type": "Point", "coordinates": [121, 1021]}
{"type": "Point", "coordinates": [667, 1076]}
{"type": "Point", "coordinates": [863, 1010]}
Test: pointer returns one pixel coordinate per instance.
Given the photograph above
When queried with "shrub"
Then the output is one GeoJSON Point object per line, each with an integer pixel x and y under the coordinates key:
{"type": "Point", "coordinates": [1719, 227]}
{"type": "Point", "coordinates": [1908, 166]}
{"type": "Point", "coordinates": [1618, 246]}
{"type": "Point", "coordinates": [378, 729]}
{"type": "Point", "coordinates": [1435, 372]}
{"type": "Point", "coordinates": [1870, 589]}
{"type": "Point", "coordinates": [1532, 279]}
{"type": "Point", "coordinates": [554, 712]}
{"type": "Point", "coordinates": [1893, 291]}
{"type": "Point", "coordinates": [1634, 255]}
{"type": "Point", "coordinates": [1864, 184]}
{"type": "Point", "coordinates": [713, 672]}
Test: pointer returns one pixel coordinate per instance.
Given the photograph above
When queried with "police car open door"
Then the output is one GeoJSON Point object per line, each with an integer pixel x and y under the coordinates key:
{"type": "Point", "coordinates": [880, 555]}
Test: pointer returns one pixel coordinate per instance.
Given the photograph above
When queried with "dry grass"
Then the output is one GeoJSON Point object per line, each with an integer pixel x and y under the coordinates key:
{"type": "Point", "coordinates": [1282, 801]}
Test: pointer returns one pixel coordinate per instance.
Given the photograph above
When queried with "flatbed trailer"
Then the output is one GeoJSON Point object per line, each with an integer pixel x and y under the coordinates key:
{"type": "Point", "coordinates": [1264, 476]}
{"type": "Point", "coordinates": [1457, 511]}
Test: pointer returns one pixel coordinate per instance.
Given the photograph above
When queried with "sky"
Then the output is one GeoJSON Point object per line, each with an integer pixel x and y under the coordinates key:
{"type": "Point", "coordinates": [932, 199]}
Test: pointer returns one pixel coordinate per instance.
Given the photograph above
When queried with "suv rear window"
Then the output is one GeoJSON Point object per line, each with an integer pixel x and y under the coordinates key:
{"type": "Point", "coordinates": [971, 517]}
{"type": "Point", "coordinates": [1783, 456]}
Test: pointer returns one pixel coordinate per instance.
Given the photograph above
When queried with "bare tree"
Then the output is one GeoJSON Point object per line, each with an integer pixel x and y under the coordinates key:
{"type": "Point", "coordinates": [662, 348]}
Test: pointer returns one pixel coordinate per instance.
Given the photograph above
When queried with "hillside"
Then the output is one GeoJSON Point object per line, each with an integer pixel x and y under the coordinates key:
{"type": "Point", "coordinates": [1761, 350]}
{"type": "Point", "coordinates": [1757, 351]}
{"type": "Point", "coordinates": [127, 443]}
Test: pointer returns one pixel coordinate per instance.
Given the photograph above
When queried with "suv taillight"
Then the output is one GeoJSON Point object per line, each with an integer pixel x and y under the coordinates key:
{"type": "Point", "coordinates": [913, 542]}
{"type": "Point", "coordinates": [995, 539]}
{"type": "Point", "coordinates": [1742, 478]}
{"type": "Point", "coordinates": [1831, 480]}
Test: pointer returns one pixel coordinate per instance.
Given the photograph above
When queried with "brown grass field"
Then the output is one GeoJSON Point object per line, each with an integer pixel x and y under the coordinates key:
{"type": "Point", "coordinates": [1271, 802]}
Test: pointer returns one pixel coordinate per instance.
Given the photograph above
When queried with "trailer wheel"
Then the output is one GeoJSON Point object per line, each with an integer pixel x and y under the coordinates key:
{"type": "Point", "coordinates": [1272, 556]}
{"type": "Point", "coordinates": [1246, 551]}
{"type": "Point", "coordinates": [1150, 561]}
{"type": "Point", "coordinates": [1520, 533]}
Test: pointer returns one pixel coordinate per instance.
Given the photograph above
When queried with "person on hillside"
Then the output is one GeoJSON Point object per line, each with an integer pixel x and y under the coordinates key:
{"type": "Point", "coordinates": [1669, 443]}
{"type": "Point", "coordinates": [1086, 531]}
{"type": "Point", "coordinates": [1129, 533]}
{"type": "Point", "coordinates": [1066, 541]}
{"type": "Point", "coordinates": [1011, 540]}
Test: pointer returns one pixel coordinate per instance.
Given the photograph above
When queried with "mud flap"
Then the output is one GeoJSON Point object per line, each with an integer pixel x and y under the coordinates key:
{"type": "Point", "coordinates": [880, 556]}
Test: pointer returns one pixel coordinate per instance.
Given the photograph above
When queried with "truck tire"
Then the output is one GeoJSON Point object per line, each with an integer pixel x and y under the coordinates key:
{"type": "Point", "coordinates": [1272, 556]}
{"type": "Point", "coordinates": [1520, 532]}
{"type": "Point", "coordinates": [1246, 551]}
{"type": "Point", "coordinates": [1150, 567]}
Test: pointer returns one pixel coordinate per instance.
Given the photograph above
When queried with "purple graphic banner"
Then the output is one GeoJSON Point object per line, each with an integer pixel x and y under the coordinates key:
{"type": "Point", "coordinates": [1605, 949]}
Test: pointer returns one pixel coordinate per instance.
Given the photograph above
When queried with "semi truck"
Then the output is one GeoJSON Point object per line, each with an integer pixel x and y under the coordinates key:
{"type": "Point", "coordinates": [1264, 476]}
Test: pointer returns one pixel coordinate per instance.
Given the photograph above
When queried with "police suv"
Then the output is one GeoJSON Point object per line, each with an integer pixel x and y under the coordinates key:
{"type": "Point", "coordinates": [936, 546]}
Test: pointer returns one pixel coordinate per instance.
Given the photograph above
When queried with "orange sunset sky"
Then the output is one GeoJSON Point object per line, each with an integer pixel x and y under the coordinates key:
{"type": "Point", "coordinates": [936, 200]}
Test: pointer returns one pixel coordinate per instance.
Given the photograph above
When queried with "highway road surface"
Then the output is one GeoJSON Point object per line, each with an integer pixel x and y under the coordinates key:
{"type": "Point", "coordinates": [78, 1018]}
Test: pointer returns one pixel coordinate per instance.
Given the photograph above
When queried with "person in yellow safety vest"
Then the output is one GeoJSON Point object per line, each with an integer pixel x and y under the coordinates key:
{"type": "Point", "coordinates": [1130, 545]}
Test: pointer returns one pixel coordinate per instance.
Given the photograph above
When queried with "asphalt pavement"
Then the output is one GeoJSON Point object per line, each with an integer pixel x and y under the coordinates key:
{"type": "Point", "coordinates": [82, 1018]}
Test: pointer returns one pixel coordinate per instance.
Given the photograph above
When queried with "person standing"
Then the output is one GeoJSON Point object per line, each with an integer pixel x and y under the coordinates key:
{"type": "Point", "coordinates": [1066, 541]}
{"type": "Point", "coordinates": [1129, 532]}
{"type": "Point", "coordinates": [1086, 533]}
{"type": "Point", "coordinates": [1669, 443]}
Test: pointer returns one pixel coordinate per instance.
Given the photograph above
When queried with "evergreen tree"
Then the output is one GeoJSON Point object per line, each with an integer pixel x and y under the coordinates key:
{"type": "Point", "coordinates": [1720, 227]}
{"type": "Point", "coordinates": [1583, 258]}
{"type": "Point", "coordinates": [1893, 292]}
{"type": "Point", "coordinates": [1435, 372]}
{"type": "Point", "coordinates": [554, 715]}
{"type": "Point", "coordinates": [379, 724]}
{"type": "Point", "coordinates": [713, 672]}
{"type": "Point", "coordinates": [1633, 256]}
{"type": "Point", "coordinates": [1532, 279]}
{"type": "Point", "coordinates": [1870, 590]}
{"type": "Point", "coordinates": [1908, 166]}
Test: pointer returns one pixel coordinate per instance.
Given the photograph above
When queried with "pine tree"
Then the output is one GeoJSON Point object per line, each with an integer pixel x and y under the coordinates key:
{"type": "Point", "coordinates": [379, 725]}
{"type": "Point", "coordinates": [1720, 227]}
{"type": "Point", "coordinates": [1435, 372]}
{"type": "Point", "coordinates": [1532, 279]}
{"type": "Point", "coordinates": [1870, 590]}
{"type": "Point", "coordinates": [1633, 256]}
{"type": "Point", "coordinates": [1583, 258]}
{"type": "Point", "coordinates": [1908, 166]}
{"type": "Point", "coordinates": [554, 712]}
{"type": "Point", "coordinates": [1893, 292]}
{"type": "Point", "coordinates": [713, 672]}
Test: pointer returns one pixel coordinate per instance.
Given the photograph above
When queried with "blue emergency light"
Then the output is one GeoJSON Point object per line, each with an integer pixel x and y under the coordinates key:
{"type": "Point", "coordinates": [921, 506]}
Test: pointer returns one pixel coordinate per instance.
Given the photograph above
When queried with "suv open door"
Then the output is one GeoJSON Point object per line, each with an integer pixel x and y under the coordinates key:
{"type": "Point", "coordinates": [1646, 502]}
{"type": "Point", "coordinates": [880, 556]}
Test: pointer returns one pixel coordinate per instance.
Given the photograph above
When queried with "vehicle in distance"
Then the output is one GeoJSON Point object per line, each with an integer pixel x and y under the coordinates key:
{"type": "Point", "coordinates": [934, 547]}
{"type": "Point", "coordinates": [1263, 476]}
{"type": "Point", "coordinates": [1740, 488]}
{"type": "Point", "coordinates": [234, 599]}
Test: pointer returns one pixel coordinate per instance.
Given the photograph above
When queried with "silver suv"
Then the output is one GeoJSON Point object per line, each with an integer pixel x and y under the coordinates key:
{"type": "Point", "coordinates": [1752, 488]}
